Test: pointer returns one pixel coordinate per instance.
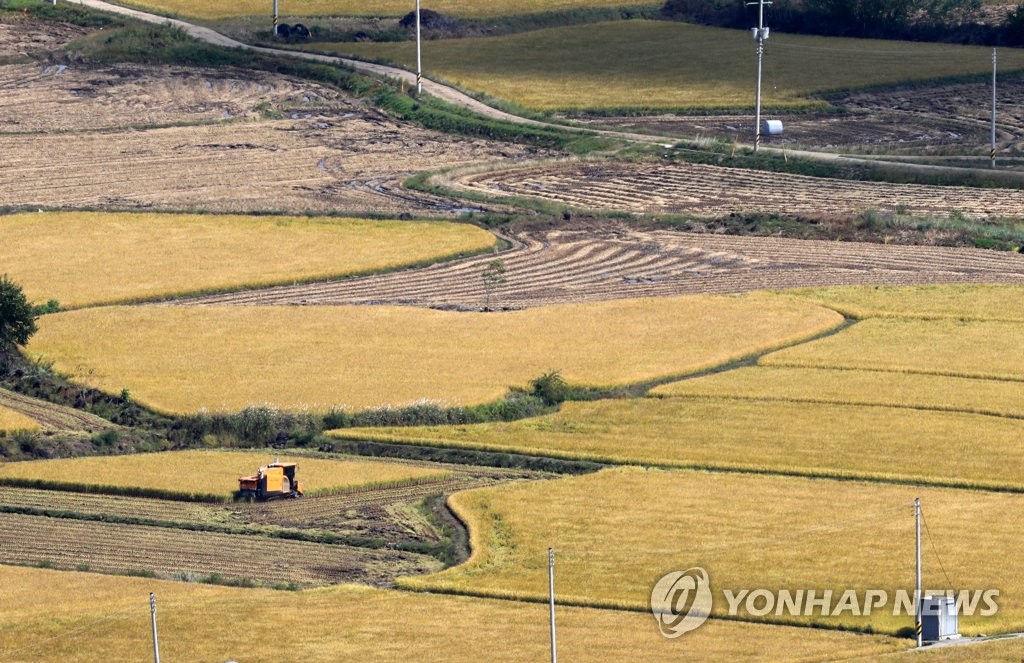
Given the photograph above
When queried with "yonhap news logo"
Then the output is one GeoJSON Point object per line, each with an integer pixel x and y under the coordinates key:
{"type": "Point", "coordinates": [681, 601]}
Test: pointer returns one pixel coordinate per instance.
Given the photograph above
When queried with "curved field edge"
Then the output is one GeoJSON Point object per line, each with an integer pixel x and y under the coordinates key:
{"type": "Point", "coordinates": [12, 421]}
{"type": "Point", "coordinates": [338, 356]}
{"type": "Point", "coordinates": [91, 258]}
{"type": "Point", "coordinates": [991, 303]}
{"type": "Point", "coordinates": [511, 528]}
{"type": "Point", "coordinates": [433, 628]}
{"type": "Point", "coordinates": [156, 475]}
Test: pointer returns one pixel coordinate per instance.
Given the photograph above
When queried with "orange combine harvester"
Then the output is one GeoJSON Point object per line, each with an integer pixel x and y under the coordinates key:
{"type": "Point", "coordinates": [271, 481]}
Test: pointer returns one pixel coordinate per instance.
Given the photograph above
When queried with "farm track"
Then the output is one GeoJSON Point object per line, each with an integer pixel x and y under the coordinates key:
{"type": "Point", "coordinates": [175, 553]}
{"type": "Point", "coordinates": [595, 264]}
{"type": "Point", "coordinates": [51, 417]}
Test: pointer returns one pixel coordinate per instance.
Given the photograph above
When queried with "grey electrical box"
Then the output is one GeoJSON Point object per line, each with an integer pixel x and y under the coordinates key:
{"type": "Point", "coordinates": [939, 619]}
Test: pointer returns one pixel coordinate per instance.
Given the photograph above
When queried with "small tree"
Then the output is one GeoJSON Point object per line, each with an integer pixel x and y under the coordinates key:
{"type": "Point", "coordinates": [17, 317]}
{"type": "Point", "coordinates": [493, 276]}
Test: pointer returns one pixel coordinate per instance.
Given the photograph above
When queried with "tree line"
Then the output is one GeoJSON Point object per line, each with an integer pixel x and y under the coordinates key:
{"type": "Point", "coordinates": [951, 21]}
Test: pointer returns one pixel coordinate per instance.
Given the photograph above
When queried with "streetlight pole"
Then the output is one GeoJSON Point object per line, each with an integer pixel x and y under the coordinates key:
{"type": "Point", "coordinates": [419, 59]}
{"type": "Point", "coordinates": [918, 597]}
{"type": "Point", "coordinates": [760, 34]}
{"type": "Point", "coordinates": [275, 19]}
{"type": "Point", "coordinates": [992, 154]}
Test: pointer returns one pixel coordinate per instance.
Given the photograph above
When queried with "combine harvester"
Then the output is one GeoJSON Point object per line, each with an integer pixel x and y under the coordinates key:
{"type": "Point", "coordinates": [270, 482]}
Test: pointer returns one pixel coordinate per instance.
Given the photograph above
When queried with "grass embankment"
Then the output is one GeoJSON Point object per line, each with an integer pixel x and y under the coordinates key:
{"type": "Point", "coordinates": [854, 387]}
{"type": "Point", "coordinates": [82, 258]}
{"type": "Point", "coordinates": [11, 421]}
{"type": "Point", "coordinates": [206, 623]}
{"type": "Point", "coordinates": [946, 448]}
{"type": "Point", "coordinates": [617, 532]}
{"type": "Point", "coordinates": [664, 65]}
{"type": "Point", "coordinates": [204, 475]}
{"type": "Point", "coordinates": [182, 359]}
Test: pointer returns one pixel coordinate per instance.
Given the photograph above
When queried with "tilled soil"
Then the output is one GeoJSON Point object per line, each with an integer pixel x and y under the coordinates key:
{"type": "Point", "coordinates": [593, 264]}
{"type": "Point", "coordinates": [684, 188]}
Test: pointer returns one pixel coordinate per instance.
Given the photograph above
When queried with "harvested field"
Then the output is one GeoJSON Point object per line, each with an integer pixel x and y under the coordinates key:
{"type": "Point", "coordinates": [998, 303]}
{"type": "Point", "coordinates": [598, 263]}
{"type": "Point", "coordinates": [977, 349]}
{"type": "Point", "coordinates": [616, 532]}
{"type": "Point", "coordinates": [53, 417]}
{"type": "Point", "coordinates": [85, 258]}
{"type": "Point", "coordinates": [11, 421]}
{"type": "Point", "coordinates": [24, 37]}
{"type": "Point", "coordinates": [211, 475]}
{"type": "Point", "coordinates": [917, 119]}
{"type": "Point", "coordinates": [358, 623]}
{"type": "Point", "coordinates": [225, 358]}
{"type": "Point", "coordinates": [819, 439]}
{"type": "Point", "coordinates": [173, 553]}
{"type": "Point", "coordinates": [44, 98]}
{"type": "Point", "coordinates": [684, 188]}
{"type": "Point", "coordinates": [111, 136]}
{"type": "Point", "coordinates": [819, 385]}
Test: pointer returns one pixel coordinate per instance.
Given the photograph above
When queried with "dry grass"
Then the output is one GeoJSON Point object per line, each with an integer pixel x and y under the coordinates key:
{"type": "Point", "coordinates": [939, 392]}
{"type": "Point", "coordinates": [655, 64]}
{"type": "Point", "coordinates": [227, 358]}
{"type": "Point", "coordinates": [102, 618]}
{"type": "Point", "coordinates": [218, 9]}
{"type": "Point", "coordinates": [954, 302]}
{"type": "Point", "coordinates": [616, 532]}
{"type": "Point", "coordinates": [994, 651]}
{"type": "Point", "coordinates": [11, 421]}
{"type": "Point", "coordinates": [212, 473]}
{"type": "Point", "coordinates": [81, 258]}
{"type": "Point", "coordinates": [823, 440]}
{"type": "Point", "coordinates": [978, 349]}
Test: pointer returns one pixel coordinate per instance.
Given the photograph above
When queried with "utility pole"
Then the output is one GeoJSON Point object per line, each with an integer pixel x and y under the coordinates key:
{"type": "Point", "coordinates": [760, 34]}
{"type": "Point", "coordinates": [152, 612]}
{"type": "Point", "coordinates": [419, 59]}
{"type": "Point", "coordinates": [275, 19]}
{"type": "Point", "coordinates": [918, 598]}
{"type": "Point", "coordinates": [992, 154]}
{"type": "Point", "coordinates": [551, 595]}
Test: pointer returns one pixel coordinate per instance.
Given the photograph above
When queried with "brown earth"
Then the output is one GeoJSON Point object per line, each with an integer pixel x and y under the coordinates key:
{"type": "Point", "coordinates": [26, 37]}
{"type": "Point", "coordinates": [603, 262]}
{"type": "Point", "coordinates": [150, 137]}
{"type": "Point", "coordinates": [684, 188]}
{"type": "Point", "coordinates": [922, 119]}
{"type": "Point", "coordinates": [52, 417]}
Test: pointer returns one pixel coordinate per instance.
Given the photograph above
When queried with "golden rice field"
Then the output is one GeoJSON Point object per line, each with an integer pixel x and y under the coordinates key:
{"type": "Point", "coordinates": [1010, 650]}
{"type": "Point", "coordinates": [219, 9]}
{"type": "Point", "coordinates": [182, 359]}
{"type": "Point", "coordinates": [977, 349]}
{"type": "Point", "coordinates": [806, 438]}
{"type": "Point", "coordinates": [11, 421]}
{"type": "Point", "coordinates": [211, 473]}
{"type": "Point", "coordinates": [615, 533]}
{"type": "Point", "coordinates": [106, 618]}
{"type": "Point", "coordinates": [954, 302]}
{"type": "Point", "coordinates": [661, 64]}
{"type": "Point", "coordinates": [854, 387]}
{"type": "Point", "coordinates": [81, 258]}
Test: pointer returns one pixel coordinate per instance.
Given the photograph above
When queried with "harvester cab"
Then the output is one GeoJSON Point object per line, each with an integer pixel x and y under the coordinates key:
{"type": "Point", "coordinates": [274, 480]}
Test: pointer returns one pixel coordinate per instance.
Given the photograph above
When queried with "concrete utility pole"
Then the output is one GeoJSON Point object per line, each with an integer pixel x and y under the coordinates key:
{"type": "Point", "coordinates": [551, 595]}
{"type": "Point", "coordinates": [992, 154]}
{"type": "Point", "coordinates": [419, 59]}
{"type": "Point", "coordinates": [152, 612]}
{"type": "Point", "coordinates": [760, 34]}
{"type": "Point", "coordinates": [275, 19]}
{"type": "Point", "coordinates": [918, 598]}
